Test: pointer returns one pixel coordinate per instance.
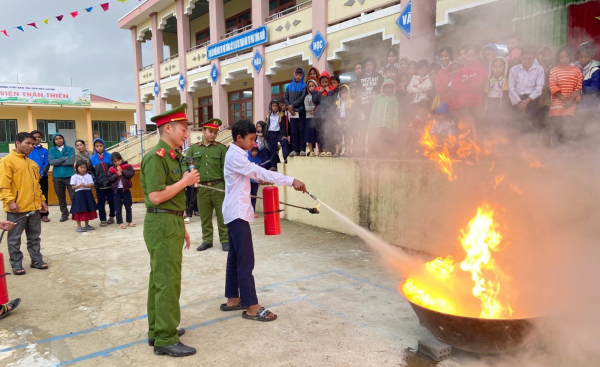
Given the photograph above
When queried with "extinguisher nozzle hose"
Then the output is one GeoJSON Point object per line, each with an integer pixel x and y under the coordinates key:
{"type": "Point", "coordinates": [312, 196]}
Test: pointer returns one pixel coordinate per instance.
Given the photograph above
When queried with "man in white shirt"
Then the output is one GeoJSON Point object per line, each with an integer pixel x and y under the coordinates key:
{"type": "Point", "coordinates": [526, 82]}
{"type": "Point", "coordinates": [240, 289]}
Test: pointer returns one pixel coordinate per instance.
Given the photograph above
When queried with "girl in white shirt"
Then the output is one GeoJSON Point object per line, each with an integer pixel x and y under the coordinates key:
{"type": "Point", "coordinates": [83, 207]}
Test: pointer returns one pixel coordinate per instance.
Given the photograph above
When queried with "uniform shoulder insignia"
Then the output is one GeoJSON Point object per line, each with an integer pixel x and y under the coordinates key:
{"type": "Point", "coordinates": [161, 152]}
{"type": "Point", "coordinates": [172, 154]}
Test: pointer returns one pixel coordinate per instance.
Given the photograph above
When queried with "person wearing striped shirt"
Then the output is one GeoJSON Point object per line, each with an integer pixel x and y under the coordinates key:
{"type": "Point", "coordinates": [565, 87]}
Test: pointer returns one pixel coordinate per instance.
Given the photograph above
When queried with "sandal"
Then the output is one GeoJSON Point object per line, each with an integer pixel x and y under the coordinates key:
{"type": "Point", "coordinates": [237, 307]}
{"type": "Point", "coordinates": [81, 229]}
{"type": "Point", "coordinates": [89, 228]}
{"type": "Point", "coordinates": [19, 271]}
{"type": "Point", "coordinates": [103, 224]}
{"type": "Point", "coordinates": [39, 265]}
{"type": "Point", "coordinates": [12, 304]}
{"type": "Point", "coordinates": [122, 226]}
{"type": "Point", "coordinates": [132, 225]}
{"type": "Point", "coordinates": [110, 221]}
{"type": "Point", "coordinates": [261, 315]}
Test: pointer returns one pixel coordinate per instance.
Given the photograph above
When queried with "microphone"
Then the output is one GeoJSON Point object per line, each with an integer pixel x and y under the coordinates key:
{"type": "Point", "coordinates": [190, 164]}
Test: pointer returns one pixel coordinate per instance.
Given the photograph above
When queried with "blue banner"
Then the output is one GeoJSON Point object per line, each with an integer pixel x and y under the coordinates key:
{"type": "Point", "coordinates": [237, 43]}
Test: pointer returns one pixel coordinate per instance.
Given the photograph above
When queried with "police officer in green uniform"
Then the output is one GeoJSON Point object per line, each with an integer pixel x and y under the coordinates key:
{"type": "Point", "coordinates": [209, 159]}
{"type": "Point", "coordinates": [164, 178]}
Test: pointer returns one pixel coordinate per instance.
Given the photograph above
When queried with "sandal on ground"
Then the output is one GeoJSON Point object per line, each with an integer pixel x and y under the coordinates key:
{"type": "Point", "coordinates": [81, 230]}
{"type": "Point", "coordinates": [89, 228]}
{"type": "Point", "coordinates": [132, 224]}
{"type": "Point", "coordinates": [328, 154]}
{"type": "Point", "coordinates": [261, 315]}
{"type": "Point", "coordinates": [110, 221]}
{"type": "Point", "coordinates": [19, 271]}
{"type": "Point", "coordinates": [322, 154]}
{"type": "Point", "coordinates": [122, 226]}
{"type": "Point", "coordinates": [103, 224]}
{"type": "Point", "coordinates": [237, 307]}
{"type": "Point", "coordinates": [5, 307]}
{"type": "Point", "coordinates": [39, 265]}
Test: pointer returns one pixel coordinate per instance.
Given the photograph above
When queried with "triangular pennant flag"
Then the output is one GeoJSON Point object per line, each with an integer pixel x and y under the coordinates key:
{"type": "Point", "coordinates": [89, 9]}
{"type": "Point", "coordinates": [33, 25]}
{"type": "Point", "coordinates": [59, 18]}
{"type": "Point", "coordinates": [74, 14]}
{"type": "Point", "coordinates": [45, 21]}
{"type": "Point", "coordinates": [105, 6]}
{"type": "Point", "coordinates": [5, 33]}
{"type": "Point", "coordinates": [20, 28]}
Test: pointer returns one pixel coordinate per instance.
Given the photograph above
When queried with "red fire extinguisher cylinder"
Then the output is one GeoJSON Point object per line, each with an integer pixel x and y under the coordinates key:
{"type": "Point", "coordinates": [271, 209]}
{"type": "Point", "coordinates": [3, 289]}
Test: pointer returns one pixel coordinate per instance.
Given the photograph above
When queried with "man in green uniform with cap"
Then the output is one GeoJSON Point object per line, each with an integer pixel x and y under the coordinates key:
{"type": "Point", "coordinates": [164, 179]}
{"type": "Point", "coordinates": [209, 159]}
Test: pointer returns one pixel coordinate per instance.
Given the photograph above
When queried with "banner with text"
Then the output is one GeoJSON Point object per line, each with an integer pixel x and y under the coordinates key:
{"type": "Point", "coordinates": [237, 43]}
{"type": "Point", "coordinates": [44, 94]}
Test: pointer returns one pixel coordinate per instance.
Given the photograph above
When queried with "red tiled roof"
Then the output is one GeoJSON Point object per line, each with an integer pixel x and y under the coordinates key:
{"type": "Point", "coordinates": [96, 98]}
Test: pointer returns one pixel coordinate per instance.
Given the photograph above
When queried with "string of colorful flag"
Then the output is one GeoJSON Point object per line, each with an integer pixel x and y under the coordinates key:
{"type": "Point", "coordinates": [73, 14]}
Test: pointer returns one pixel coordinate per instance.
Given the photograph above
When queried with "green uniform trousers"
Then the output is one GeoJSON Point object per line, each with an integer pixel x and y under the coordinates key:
{"type": "Point", "coordinates": [209, 200]}
{"type": "Point", "coordinates": [164, 235]}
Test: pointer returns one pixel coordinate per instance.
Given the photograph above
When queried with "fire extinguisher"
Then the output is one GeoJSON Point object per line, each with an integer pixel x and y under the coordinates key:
{"type": "Point", "coordinates": [271, 210]}
{"type": "Point", "coordinates": [3, 288]}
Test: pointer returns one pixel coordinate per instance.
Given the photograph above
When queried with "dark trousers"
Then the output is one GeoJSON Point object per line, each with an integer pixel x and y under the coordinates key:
{"type": "Point", "coordinates": [44, 185]}
{"type": "Point", "coordinates": [253, 192]}
{"type": "Point", "coordinates": [60, 185]}
{"type": "Point", "coordinates": [274, 138]}
{"type": "Point", "coordinates": [32, 226]}
{"type": "Point", "coordinates": [103, 196]}
{"type": "Point", "coordinates": [298, 125]}
{"type": "Point", "coordinates": [120, 198]}
{"type": "Point", "coordinates": [191, 202]}
{"type": "Point", "coordinates": [239, 281]}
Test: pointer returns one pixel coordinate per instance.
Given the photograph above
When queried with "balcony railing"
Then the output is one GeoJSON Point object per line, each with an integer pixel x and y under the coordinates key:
{"type": "Point", "coordinates": [236, 31]}
{"type": "Point", "coordinates": [147, 67]}
{"type": "Point", "coordinates": [170, 58]}
{"type": "Point", "coordinates": [205, 44]}
{"type": "Point", "coordinates": [287, 11]}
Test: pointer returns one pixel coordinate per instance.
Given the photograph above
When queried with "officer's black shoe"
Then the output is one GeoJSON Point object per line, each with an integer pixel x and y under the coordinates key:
{"type": "Point", "coordinates": [180, 332]}
{"type": "Point", "coordinates": [64, 219]}
{"type": "Point", "coordinates": [204, 246]}
{"type": "Point", "coordinates": [175, 350]}
{"type": "Point", "coordinates": [225, 246]}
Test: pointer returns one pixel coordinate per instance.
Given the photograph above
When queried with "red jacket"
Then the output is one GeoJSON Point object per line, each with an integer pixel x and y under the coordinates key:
{"type": "Point", "coordinates": [442, 86]}
{"type": "Point", "coordinates": [127, 174]}
{"type": "Point", "coordinates": [468, 84]}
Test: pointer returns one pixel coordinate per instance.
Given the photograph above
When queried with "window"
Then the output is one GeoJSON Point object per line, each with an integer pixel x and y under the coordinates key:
{"type": "Point", "coordinates": [112, 132]}
{"type": "Point", "coordinates": [238, 21]}
{"type": "Point", "coordinates": [278, 90]}
{"type": "Point", "coordinates": [240, 106]}
{"type": "Point", "coordinates": [51, 127]}
{"type": "Point", "coordinates": [203, 36]}
{"type": "Point", "coordinates": [276, 6]}
{"type": "Point", "coordinates": [204, 112]}
{"type": "Point", "coordinates": [8, 131]}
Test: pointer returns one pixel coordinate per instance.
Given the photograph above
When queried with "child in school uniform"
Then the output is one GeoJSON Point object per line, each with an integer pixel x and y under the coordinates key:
{"type": "Point", "coordinates": [83, 208]}
{"type": "Point", "coordinates": [261, 143]}
{"type": "Point", "coordinates": [120, 175]}
{"type": "Point", "coordinates": [310, 134]}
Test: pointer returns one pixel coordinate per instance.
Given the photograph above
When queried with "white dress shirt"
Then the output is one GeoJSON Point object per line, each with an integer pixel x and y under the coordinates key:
{"type": "Point", "coordinates": [78, 179]}
{"type": "Point", "coordinates": [523, 81]}
{"type": "Point", "coordinates": [238, 172]}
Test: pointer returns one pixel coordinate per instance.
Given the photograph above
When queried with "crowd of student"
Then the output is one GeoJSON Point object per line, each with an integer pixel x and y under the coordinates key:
{"type": "Point", "coordinates": [491, 88]}
{"type": "Point", "coordinates": [76, 172]}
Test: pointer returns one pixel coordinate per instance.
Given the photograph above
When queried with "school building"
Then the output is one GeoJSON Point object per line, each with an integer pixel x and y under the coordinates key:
{"type": "Point", "coordinates": [72, 111]}
{"type": "Point", "coordinates": [228, 58]}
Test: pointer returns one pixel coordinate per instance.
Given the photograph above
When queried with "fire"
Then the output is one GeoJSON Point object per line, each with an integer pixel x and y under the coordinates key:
{"type": "Point", "coordinates": [479, 240]}
{"type": "Point", "coordinates": [499, 179]}
{"type": "Point", "coordinates": [452, 149]}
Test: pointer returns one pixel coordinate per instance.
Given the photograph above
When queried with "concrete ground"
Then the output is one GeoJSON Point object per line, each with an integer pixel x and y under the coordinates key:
{"type": "Point", "coordinates": [336, 305]}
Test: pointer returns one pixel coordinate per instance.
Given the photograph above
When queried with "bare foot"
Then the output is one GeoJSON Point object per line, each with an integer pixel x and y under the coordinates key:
{"type": "Point", "coordinates": [233, 302]}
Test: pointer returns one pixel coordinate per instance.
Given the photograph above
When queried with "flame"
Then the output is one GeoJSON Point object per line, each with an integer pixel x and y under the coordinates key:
{"type": "Point", "coordinates": [453, 149]}
{"type": "Point", "coordinates": [479, 240]}
{"type": "Point", "coordinates": [499, 179]}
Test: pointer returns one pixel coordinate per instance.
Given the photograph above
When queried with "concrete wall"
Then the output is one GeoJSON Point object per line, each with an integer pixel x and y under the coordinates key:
{"type": "Point", "coordinates": [409, 203]}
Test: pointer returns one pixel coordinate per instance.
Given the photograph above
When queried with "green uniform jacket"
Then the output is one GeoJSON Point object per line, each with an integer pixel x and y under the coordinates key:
{"type": "Point", "coordinates": [209, 160]}
{"type": "Point", "coordinates": [162, 166]}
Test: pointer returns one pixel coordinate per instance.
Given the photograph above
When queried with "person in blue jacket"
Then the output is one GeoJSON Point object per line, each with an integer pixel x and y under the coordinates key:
{"type": "Point", "coordinates": [294, 102]}
{"type": "Point", "coordinates": [590, 91]}
{"type": "Point", "coordinates": [62, 158]}
{"type": "Point", "coordinates": [101, 161]}
{"type": "Point", "coordinates": [39, 155]}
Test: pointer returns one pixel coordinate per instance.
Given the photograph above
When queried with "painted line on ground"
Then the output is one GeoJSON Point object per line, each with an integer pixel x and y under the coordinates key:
{"type": "Point", "coordinates": [142, 317]}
